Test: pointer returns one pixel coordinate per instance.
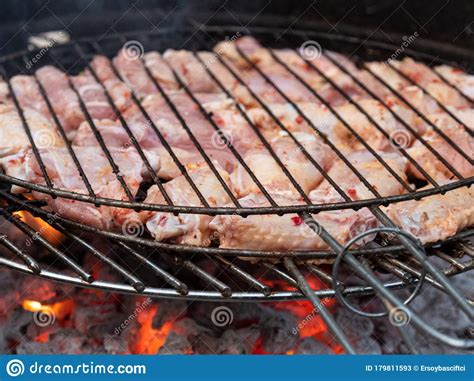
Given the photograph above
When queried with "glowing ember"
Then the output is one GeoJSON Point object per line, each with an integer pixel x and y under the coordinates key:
{"type": "Point", "coordinates": [149, 339]}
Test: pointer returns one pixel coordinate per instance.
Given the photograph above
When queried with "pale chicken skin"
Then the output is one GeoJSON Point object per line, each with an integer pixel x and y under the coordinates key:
{"type": "Point", "coordinates": [271, 175]}
{"type": "Point", "coordinates": [65, 175]}
{"type": "Point", "coordinates": [457, 77]}
{"type": "Point", "coordinates": [372, 170]}
{"type": "Point", "coordinates": [188, 229]}
{"type": "Point", "coordinates": [458, 134]}
{"type": "Point", "coordinates": [288, 232]}
{"type": "Point", "coordinates": [13, 137]}
{"type": "Point", "coordinates": [235, 131]}
{"type": "Point", "coordinates": [437, 217]}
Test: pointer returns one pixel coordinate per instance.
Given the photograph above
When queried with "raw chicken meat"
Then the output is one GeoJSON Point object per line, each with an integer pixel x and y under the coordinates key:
{"type": "Point", "coordinates": [437, 217]}
{"type": "Point", "coordinates": [371, 169]}
{"type": "Point", "coordinates": [458, 134]}
{"type": "Point", "coordinates": [13, 137]}
{"type": "Point", "coordinates": [462, 80]}
{"type": "Point", "coordinates": [270, 174]}
{"type": "Point", "coordinates": [190, 71]}
{"type": "Point", "coordinates": [64, 174]}
{"type": "Point", "coordinates": [189, 229]}
{"type": "Point", "coordinates": [288, 232]}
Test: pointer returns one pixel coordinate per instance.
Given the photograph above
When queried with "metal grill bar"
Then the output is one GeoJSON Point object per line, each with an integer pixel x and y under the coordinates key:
{"type": "Point", "coordinates": [174, 282]}
{"type": "Point", "coordinates": [245, 276]}
{"type": "Point", "coordinates": [31, 263]}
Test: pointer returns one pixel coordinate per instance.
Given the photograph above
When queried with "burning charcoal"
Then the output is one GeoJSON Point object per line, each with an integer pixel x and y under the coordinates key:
{"type": "Point", "coordinates": [310, 346]}
{"type": "Point", "coordinates": [96, 320]}
{"type": "Point", "coordinates": [387, 335]}
{"type": "Point", "coordinates": [367, 346]}
{"type": "Point", "coordinates": [240, 341]}
{"type": "Point", "coordinates": [63, 342]}
{"type": "Point", "coordinates": [169, 310]}
{"type": "Point", "coordinates": [176, 344]}
{"type": "Point", "coordinates": [116, 345]}
{"type": "Point", "coordinates": [16, 322]}
{"type": "Point", "coordinates": [355, 326]}
{"type": "Point", "coordinates": [277, 333]}
{"type": "Point", "coordinates": [190, 328]}
{"type": "Point", "coordinates": [38, 289]}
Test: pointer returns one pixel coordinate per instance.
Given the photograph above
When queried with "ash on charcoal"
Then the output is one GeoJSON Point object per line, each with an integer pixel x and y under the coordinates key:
{"type": "Point", "coordinates": [176, 344]}
{"type": "Point", "coordinates": [277, 333]}
{"type": "Point", "coordinates": [169, 310]}
{"type": "Point", "coordinates": [310, 346]}
{"type": "Point", "coordinates": [66, 341]}
{"type": "Point", "coordinates": [367, 346]}
{"type": "Point", "coordinates": [387, 336]}
{"type": "Point", "coordinates": [115, 345]}
{"type": "Point", "coordinates": [240, 341]}
{"type": "Point", "coordinates": [354, 326]}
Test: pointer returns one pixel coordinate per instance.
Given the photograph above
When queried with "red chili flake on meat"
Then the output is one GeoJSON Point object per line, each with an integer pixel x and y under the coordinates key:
{"type": "Point", "coordinates": [352, 192]}
{"type": "Point", "coordinates": [299, 119]}
{"type": "Point", "coordinates": [390, 103]}
{"type": "Point", "coordinates": [218, 120]}
{"type": "Point", "coordinates": [297, 220]}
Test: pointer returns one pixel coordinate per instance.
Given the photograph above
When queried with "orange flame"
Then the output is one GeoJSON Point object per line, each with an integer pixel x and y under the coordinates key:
{"type": "Point", "coordinates": [60, 309]}
{"type": "Point", "coordinates": [45, 230]}
{"type": "Point", "coordinates": [149, 339]}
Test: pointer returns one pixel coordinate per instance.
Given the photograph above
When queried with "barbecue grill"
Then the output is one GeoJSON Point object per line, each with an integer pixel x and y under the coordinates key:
{"type": "Point", "coordinates": [404, 256]}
